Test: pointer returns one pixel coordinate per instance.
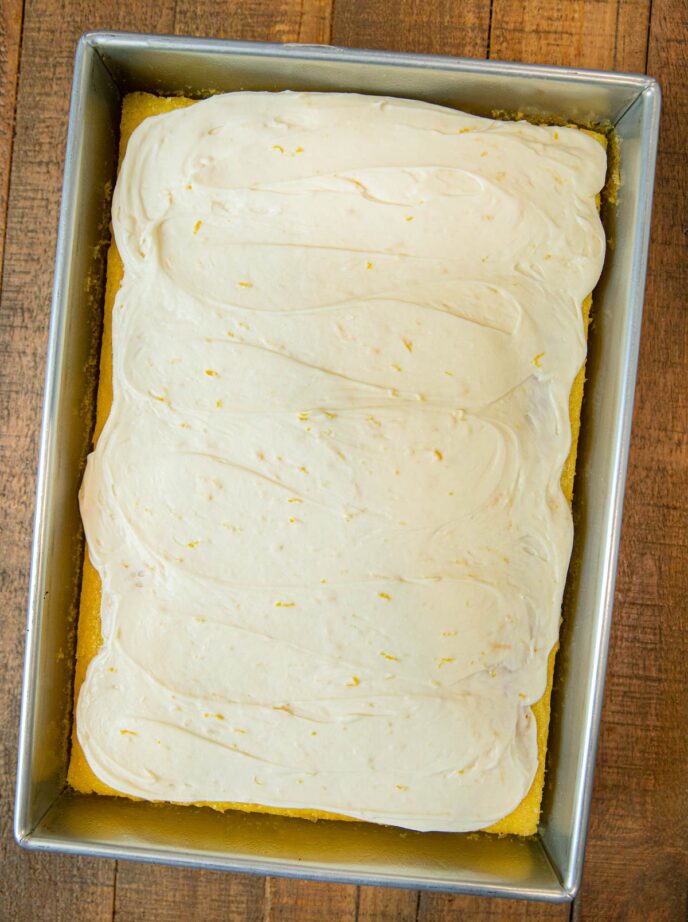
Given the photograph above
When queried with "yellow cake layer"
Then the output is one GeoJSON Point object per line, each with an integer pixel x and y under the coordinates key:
{"type": "Point", "coordinates": [524, 819]}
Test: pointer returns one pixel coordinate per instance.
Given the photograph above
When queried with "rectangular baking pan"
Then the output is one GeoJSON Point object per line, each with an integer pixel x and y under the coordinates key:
{"type": "Point", "coordinates": [48, 815]}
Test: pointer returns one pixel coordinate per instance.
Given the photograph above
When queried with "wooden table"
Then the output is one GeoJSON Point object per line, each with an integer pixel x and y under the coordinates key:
{"type": "Point", "coordinates": [636, 865]}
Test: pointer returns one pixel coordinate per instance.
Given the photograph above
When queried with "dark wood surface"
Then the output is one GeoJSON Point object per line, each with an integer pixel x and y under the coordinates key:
{"type": "Point", "coordinates": [636, 865]}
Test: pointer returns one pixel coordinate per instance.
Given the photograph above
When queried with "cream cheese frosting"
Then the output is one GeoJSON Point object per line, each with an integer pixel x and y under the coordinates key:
{"type": "Point", "coordinates": [325, 507]}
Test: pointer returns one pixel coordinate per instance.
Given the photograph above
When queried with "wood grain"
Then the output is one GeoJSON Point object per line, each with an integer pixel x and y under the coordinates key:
{"type": "Point", "coordinates": [575, 33]}
{"type": "Point", "coordinates": [10, 40]}
{"type": "Point", "coordinates": [438, 27]}
{"type": "Point", "coordinates": [636, 866]}
{"type": "Point", "coordinates": [638, 840]}
{"type": "Point", "coordinates": [267, 21]}
{"type": "Point", "coordinates": [630, 41]}
{"type": "Point", "coordinates": [145, 891]}
{"type": "Point", "coordinates": [11, 596]}
{"type": "Point", "coordinates": [381, 904]}
{"type": "Point", "coordinates": [308, 901]}
{"type": "Point", "coordinates": [438, 907]}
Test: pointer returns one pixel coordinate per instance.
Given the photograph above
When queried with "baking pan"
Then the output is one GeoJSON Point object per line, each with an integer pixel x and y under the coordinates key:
{"type": "Point", "coordinates": [48, 815]}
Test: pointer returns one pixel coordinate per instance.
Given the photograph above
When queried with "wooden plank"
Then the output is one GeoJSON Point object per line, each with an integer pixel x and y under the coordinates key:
{"type": "Point", "coordinates": [11, 13]}
{"type": "Point", "coordinates": [36, 887]}
{"type": "Point", "coordinates": [440, 27]}
{"type": "Point", "coordinates": [438, 907]}
{"type": "Point", "coordinates": [630, 46]}
{"type": "Point", "coordinates": [638, 842]}
{"type": "Point", "coordinates": [381, 904]}
{"type": "Point", "coordinates": [578, 33]}
{"type": "Point", "coordinates": [308, 901]}
{"type": "Point", "coordinates": [43, 888]}
{"type": "Point", "coordinates": [167, 894]}
{"type": "Point", "coordinates": [279, 21]}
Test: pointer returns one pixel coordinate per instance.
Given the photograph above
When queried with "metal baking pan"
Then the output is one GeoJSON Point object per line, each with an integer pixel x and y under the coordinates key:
{"type": "Point", "coordinates": [51, 817]}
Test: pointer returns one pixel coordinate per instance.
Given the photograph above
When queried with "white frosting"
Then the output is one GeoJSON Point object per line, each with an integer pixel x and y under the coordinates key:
{"type": "Point", "coordinates": [325, 507]}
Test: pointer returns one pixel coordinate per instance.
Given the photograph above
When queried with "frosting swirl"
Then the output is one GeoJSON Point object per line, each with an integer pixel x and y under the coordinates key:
{"type": "Point", "coordinates": [325, 507]}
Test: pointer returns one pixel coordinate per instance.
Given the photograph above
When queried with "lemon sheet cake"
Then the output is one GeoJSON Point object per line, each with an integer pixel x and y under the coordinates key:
{"type": "Point", "coordinates": [327, 511]}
